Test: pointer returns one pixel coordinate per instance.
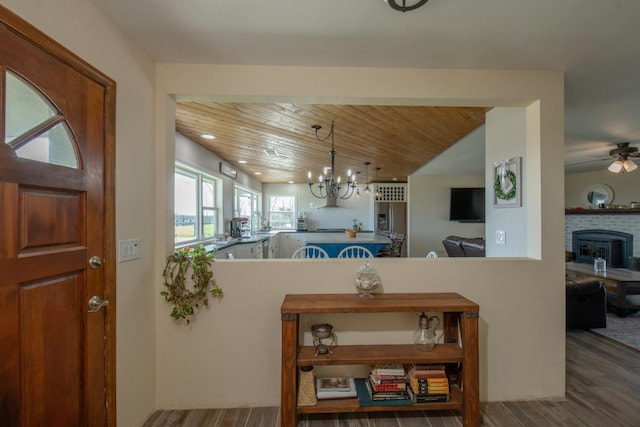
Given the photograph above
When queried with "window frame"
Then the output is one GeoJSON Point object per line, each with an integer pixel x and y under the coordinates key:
{"type": "Point", "coordinates": [255, 216]}
{"type": "Point", "coordinates": [294, 212]}
{"type": "Point", "coordinates": [201, 178]}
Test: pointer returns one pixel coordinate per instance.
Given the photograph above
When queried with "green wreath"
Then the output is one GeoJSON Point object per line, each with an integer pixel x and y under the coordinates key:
{"type": "Point", "coordinates": [497, 187]}
{"type": "Point", "coordinates": [189, 266]}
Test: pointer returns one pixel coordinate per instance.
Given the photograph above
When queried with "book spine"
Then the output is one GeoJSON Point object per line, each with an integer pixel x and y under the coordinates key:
{"type": "Point", "coordinates": [432, 398]}
{"type": "Point", "coordinates": [387, 369]}
{"type": "Point", "coordinates": [426, 398]}
{"type": "Point", "coordinates": [381, 379]}
{"type": "Point", "coordinates": [389, 386]}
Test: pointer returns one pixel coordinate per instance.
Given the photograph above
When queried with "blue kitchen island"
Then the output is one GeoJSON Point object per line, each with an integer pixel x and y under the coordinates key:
{"type": "Point", "coordinates": [333, 243]}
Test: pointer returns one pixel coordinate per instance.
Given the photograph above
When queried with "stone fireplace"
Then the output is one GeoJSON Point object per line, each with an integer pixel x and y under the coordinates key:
{"type": "Point", "coordinates": [614, 246]}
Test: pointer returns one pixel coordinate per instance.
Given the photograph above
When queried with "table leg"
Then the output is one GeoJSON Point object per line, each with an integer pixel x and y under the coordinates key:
{"type": "Point", "coordinates": [470, 366]}
{"type": "Point", "coordinates": [288, 378]}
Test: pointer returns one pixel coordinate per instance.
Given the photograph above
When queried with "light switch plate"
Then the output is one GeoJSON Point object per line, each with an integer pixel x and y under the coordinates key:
{"type": "Point", "coordinates": [128, 250]}
{"type": "Point", "coordinates": [501, 237]}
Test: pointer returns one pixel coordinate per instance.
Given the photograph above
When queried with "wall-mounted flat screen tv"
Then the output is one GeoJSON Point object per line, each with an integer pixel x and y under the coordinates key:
{"type": "Point", "coordinates": [467, 205]}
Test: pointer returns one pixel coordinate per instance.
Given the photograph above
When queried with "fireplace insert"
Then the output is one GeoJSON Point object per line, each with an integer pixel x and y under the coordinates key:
{"type": "Point", "coordinates": [614, 246]}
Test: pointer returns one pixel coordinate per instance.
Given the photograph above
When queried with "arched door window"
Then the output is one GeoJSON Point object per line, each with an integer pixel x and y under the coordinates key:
{"type": "Point", "coordinates": [34, 128]}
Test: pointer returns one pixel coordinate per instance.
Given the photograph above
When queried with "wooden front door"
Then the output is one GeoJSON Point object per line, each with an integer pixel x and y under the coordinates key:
{"type": "Point", "coordinates": [56, 214]}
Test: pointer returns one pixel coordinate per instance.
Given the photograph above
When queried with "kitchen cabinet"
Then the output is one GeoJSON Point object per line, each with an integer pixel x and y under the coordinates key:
{"type": "Point", "coordinates": [459, 350]}
{"type": "Point", "coordinates": [225, 253]}
{"type": "Point", "coordinates": [249, 250]}
{"type": "Point", "coordinates": [290, 242]}
{"type": "Point", "coordinates": [274, 246]}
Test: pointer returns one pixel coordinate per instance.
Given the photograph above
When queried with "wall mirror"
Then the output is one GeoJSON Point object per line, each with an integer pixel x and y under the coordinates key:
{"type": "Point", "coordinates": [597, 195]}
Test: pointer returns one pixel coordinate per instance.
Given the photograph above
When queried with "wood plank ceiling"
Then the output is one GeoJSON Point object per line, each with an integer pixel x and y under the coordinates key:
{"type": "Point", "coordinates": [396, 139]}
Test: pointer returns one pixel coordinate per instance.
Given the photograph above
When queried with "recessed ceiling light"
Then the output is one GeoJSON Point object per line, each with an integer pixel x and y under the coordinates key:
{"type": "Point", "coordinates": [290, 182]}
{"type": "Point", "coordinates": [257, 173]}
{"type": "Point", "coordinates": [207, 136]}
{"type": "Point", "coordinates": [242, 161]}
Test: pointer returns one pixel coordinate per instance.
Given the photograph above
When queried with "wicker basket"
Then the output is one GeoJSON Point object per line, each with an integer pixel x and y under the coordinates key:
{"type": "Point", "coordinates": [350, 233]}
{"type": "Point", "coordinates": [306, 387]}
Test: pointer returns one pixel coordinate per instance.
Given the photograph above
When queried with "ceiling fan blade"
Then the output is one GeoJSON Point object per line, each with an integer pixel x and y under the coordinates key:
{"type": "Point", "coordinates": [589, 161]}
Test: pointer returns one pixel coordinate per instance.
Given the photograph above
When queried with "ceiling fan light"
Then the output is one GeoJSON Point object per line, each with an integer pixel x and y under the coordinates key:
{"type": "Point", "coordinates": [629, 165]}
{"type": "Point", "coordinates": [616, 166]}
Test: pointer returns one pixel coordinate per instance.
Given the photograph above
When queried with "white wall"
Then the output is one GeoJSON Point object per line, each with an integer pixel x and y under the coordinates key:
{"type": "Point", "coordinates": [625, 186]}
{"type": "Point", "coordinates": [506, 139]}
{"type": "Point", "coordinates": [80, 27]}
{"type": "Point", "coordinates": [429, 212]}
{"type": "Point", "coordinates": [521, 300]}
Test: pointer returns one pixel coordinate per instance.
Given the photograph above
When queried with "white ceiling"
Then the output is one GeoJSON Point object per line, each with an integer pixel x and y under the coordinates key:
{"type": "Point", "coordinates": [595, 42]}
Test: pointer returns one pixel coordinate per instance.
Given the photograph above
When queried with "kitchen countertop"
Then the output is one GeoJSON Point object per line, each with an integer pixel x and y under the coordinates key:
{"type": "Point", "coordinates": [236, 241]}
{"type": "Point", "coordinates": [320, 236]}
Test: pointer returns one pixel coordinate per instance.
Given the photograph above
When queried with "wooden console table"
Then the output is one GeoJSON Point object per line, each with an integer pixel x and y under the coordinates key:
{"type": "Point", "coordinates": [619, 283]}
{"type": "Point", "coordinates": [460, 317]}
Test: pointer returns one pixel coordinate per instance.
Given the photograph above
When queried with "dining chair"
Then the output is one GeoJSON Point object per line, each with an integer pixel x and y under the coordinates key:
{"type": "Point", "coordinates": [355, 251]}
{"type": "Point", "coordinates": [310, 251]}
{"type": "Point", "coordinates": [432, 254]}
{"type": "Point", "coordinates": [395, 247]}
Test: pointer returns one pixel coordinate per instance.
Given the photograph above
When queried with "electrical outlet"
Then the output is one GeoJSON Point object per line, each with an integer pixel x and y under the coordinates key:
{"type": "Point", "coordinates": [501, 237]}
{"type": "Point", "coordinates": [128, 250]}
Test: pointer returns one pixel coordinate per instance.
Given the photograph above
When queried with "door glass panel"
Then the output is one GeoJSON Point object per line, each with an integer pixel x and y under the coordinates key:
{"type": "Point", "coordinates": [25, 108]}
{"type": "Point", "coordinates": [34, 127]}
{"type": "Point", "coordinates": [53, 146]}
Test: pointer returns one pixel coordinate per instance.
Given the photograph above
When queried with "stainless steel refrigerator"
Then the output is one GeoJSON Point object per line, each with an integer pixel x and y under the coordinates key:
{"type": "Point", "coordinates": [391, 217]}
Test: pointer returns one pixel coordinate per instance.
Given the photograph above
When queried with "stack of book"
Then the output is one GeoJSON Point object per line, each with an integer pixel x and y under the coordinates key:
{"type": "Point", "coordinates": [427, 383]}
{"type": "Point", "coordinates": [387, 382]}
{"type": "Point", "coordinates": [335, 388]}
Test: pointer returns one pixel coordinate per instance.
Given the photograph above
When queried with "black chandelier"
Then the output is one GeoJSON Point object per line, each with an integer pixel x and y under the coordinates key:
{"type": "Point", "coordinates": [403, 7]}
{"type": "Point", "coordinates": [329, 186]}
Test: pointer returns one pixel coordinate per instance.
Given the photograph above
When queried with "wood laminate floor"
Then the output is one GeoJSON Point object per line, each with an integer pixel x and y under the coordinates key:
{"type": "Point", "coordinates": [603, 390]}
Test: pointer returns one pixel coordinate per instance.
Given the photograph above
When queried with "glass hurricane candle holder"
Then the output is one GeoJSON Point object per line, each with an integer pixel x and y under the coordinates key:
{"type": "Point", "coordinates": [367, 279]}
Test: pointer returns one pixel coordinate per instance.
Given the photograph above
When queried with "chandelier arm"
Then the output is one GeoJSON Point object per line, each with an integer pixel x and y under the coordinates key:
{"type": "Point", "coordinates": [314, 194]}
{"type": "Point", "coordinates": [348, 193]}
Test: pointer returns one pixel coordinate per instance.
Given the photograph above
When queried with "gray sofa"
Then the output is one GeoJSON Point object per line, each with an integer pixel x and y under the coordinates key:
{"type": "Point", "coordinates": [457, 246]}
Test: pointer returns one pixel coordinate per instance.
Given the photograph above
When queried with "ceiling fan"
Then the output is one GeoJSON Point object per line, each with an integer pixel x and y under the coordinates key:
{"type": "Point", "coordinates": [622, 162]}
{"type": "Point", "coordinates": [621, 155]}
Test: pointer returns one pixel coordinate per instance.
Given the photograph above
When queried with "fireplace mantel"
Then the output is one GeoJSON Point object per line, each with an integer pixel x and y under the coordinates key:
{"type": "Point", "coordinates": [602, 211]}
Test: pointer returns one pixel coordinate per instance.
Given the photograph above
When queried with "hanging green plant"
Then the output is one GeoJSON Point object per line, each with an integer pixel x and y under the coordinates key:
{"type": "Point", "coordinates": [497, 187]}
{"type": "Point", "coordinates": [189, 266]}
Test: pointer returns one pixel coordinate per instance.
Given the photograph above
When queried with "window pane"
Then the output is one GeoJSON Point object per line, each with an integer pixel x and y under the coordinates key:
{"type": "Point", "coordinates": [54, 146]}
{"type": "Point", "coordinates": [25, 107]}
{"type": "Point", "coordinates": [282, 212]}
{"type": "Point", "coordinates": [186, 207]}
{"type": "Point", "coordinates": [209, 223]}
{"type": "Point", "coordinates": [29, 117]}
{"type": "Point", "coordinates": [244, 204]}
{"type": "Point", "coordinates": [282, 203]}
{"type": "Point", "coordinates": [281, 220]}
{"type": "Point", "coordinates": [208, 193]}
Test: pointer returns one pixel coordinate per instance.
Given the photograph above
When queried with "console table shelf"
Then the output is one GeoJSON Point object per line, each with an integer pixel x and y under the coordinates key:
{"type": "Point", "coordinates": [352, 405]}
{"type": "Point", "coordinates": [460, 328]}
{"type": "Point", "coordinates": [371, 354]}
